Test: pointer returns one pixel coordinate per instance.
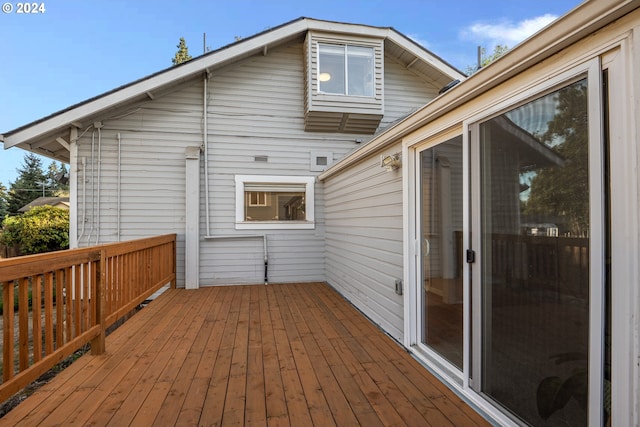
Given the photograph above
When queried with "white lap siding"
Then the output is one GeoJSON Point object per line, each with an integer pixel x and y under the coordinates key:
{"type": "Point", "coordinates": [363, 209]}
{"type": "Point", "coordinates": [153, 138]}
{"type": "Point", "coordinates": [255, 109]}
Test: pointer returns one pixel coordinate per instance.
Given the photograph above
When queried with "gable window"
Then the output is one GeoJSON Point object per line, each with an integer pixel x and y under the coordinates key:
{"type": "Point", "coordinates": [274, 202]}
{"type": "Point", "coordinates": [345, 70]}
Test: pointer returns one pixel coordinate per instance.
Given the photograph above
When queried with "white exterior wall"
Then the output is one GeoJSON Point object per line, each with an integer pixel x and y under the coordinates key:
{"type": "Point", "coordinates": [364, 217]}
{"type": "Point", "coordinates": [364, 239]}
{"type": "Point", "coordinates": [403, 94]}
{"type": "Point", "coordinates": [154, 136]}
{"type": "Point", "coordinates": [255, 108]}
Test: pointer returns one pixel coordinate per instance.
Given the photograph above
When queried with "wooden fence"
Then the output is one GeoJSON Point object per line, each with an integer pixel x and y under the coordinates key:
{"type": "Point", "coordinates": [69, 298]}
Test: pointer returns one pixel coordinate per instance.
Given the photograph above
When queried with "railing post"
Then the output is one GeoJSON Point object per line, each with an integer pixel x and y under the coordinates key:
{"type": "Point", "coordinates": [98, 343]}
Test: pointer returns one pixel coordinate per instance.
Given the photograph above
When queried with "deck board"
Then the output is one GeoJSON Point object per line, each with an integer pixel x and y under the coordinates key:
{"type": "Point", "coordinates": [277, 355]}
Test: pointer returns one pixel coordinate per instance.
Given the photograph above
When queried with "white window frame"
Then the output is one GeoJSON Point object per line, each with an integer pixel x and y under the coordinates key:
{"type": "Point", "coordinates": [592, 71]}
{"type": "Point", "coordinates": [623, 249]}
{"type": "Point", "coordinates": [308, 223]}
{"type": "Point", "coordinates": [261, 198]}
{"type": "Point", "coordinates": [345, 49]}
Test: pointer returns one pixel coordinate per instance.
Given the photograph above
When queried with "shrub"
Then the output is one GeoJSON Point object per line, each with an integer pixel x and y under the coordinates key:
{"type": "Point", "coordinates": [41, 229]}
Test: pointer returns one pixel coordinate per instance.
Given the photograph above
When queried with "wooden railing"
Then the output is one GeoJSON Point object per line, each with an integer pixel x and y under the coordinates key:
{"type": "Point", "coordinates": [557, 264]}
{"type": "Point", "coordinates": [67, 299]}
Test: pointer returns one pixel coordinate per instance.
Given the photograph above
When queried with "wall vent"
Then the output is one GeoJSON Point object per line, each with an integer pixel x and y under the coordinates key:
{"type": "Point", "coordinates": [320, 160]}
{"type": "Point", "coordinates": [262, 159]}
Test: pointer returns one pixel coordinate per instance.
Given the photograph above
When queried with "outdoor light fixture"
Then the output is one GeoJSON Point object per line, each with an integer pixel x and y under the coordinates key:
{"type": "Point", "coordinates": [391, 162]}
{"type": "Point", "coordinates": [324, 77]}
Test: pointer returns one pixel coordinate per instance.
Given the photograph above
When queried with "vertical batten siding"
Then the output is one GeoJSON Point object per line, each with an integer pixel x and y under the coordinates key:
{"type": "Point", "coordinates": [363, 209]}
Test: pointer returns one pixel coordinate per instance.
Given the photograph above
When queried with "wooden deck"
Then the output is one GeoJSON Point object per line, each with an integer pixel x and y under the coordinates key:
{"type": "Point", "coordinates": [276, 355]}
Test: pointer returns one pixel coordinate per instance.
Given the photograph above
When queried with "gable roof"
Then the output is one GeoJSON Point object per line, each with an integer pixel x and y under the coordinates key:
{"type": "Point", "coordinates": [49, 136]}
{"type": "Point", "coordinates": [43, 201]}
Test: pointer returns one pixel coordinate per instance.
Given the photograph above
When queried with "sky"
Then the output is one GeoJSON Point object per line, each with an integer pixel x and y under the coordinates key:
{"type": "Point", "coordinates": [73, 50]}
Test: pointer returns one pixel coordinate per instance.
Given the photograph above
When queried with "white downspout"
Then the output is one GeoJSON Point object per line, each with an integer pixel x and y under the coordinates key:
{"type": "Point", "coordinates": [266, 260]}
{"type": "Point", "coordinates": [84, 197]}
{"type": "Point", "coordinates": [99, 175]}
{"type": "Point", "coordinates": [118, 189]}
{"type": "Point", "coordinates": [73, 187]}
{"type": "Point", "coordinates": [93, 186]}
{"type": "Point", "coordinates": [205, 142]}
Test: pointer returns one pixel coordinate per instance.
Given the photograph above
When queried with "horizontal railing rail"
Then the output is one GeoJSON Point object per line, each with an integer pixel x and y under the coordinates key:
{"type": "Point", "coordinates": [55, 303]}
{"type": "Point", "coordinates": [557, 264]}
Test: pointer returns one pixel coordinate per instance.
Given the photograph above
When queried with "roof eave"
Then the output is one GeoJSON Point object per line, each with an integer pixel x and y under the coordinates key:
{"type": "Point", "coordinates": [25, 135]}
{"type": "Point", "coordinates": [580, 22]}
{"type": "Point", "coordinates": [129, 92]}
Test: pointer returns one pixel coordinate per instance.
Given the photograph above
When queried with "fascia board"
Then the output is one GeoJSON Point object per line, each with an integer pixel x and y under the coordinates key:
{"type": "Point", "coordinates": [432, 60]}
{"type": "Point", "coordinates": [149, 85]}
{"type": "Point", "coordinates": [198, 65]}
{"type": "Point", "coordinates": [579, 23]}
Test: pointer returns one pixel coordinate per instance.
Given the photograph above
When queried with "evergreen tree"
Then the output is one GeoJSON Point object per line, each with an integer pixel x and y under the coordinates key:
{"type": "Point", "coordinates": [182, 55]}
{"type": "Point", "coordinates": [3, 201]}
{"type": "Point", "coordinates": [564, 190]}
{"type": "Point", "coordinates": [29, 184]}
{"type": "Point", "coordinates": [57, 180]}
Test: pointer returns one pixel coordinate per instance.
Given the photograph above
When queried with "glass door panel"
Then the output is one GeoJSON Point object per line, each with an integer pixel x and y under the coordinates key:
{"type": "Point", "coordinates": [535, 237]}
{"type": "Point", "coordinates": [441, 228]}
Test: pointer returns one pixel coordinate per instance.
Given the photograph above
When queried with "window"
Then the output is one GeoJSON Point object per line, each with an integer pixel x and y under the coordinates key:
{"type": "Point", "coordinates": [345, 70]}
{"type": "Point", "coordinates": [272, 202]}
{"type": "Point", "coordinates": [256, 198]}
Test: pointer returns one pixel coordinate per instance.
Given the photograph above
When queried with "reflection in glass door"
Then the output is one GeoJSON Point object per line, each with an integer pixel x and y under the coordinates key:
{"type": "Point", "coordinates": [441, 228]}
{"type": "Point", "coordinates": [535, 242]}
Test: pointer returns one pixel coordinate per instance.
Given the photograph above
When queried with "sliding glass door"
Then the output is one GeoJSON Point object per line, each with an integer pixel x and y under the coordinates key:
{"type": "Point", "coordinates": [441, 299]}
{"type": "Point", "coordinates": [509, 243]}
{"type": "Point", "coordinates": [538, 210]}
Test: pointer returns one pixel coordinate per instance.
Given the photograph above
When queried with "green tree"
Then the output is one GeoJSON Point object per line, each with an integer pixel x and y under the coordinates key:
{"type": "Point", "coordinates": [41, 229]}
{"type": "Point", "coordinates": [182, 55]}
{"type": "Point", "coordinates": [564, 190]}
{"type": "Point", "coordinates": [29, 184]}
{"type": "Point", "coordinates": [498, 51]}
{"type": "Point", "coordinates": [57, 180]}
{"type": "Point", "coordinates": [3, 201]}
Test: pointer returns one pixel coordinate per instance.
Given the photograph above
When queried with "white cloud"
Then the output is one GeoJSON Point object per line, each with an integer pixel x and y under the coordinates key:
{"type": "Point", "coordinates": [506, 32]}
{"type": "Point", "coordinates": [419, 40]}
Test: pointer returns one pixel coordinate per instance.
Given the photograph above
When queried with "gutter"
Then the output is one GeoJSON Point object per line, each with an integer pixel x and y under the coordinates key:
{"type": "Point", "coordinates": [131, 92]}
{"type": "Point", "coordinates": [577, 24]}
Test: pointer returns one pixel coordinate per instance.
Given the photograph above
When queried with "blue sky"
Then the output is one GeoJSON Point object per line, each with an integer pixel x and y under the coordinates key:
{"type": "Point", "coordinates": [77, 49]}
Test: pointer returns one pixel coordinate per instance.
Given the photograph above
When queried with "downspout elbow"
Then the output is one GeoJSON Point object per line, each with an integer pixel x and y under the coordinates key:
{"type": "Point", "coordinates": [266, 260]}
